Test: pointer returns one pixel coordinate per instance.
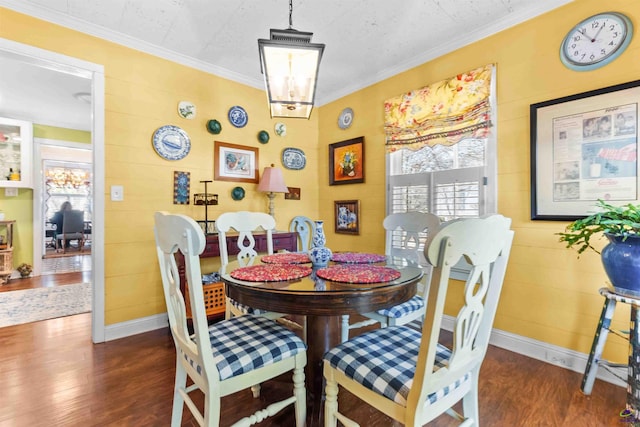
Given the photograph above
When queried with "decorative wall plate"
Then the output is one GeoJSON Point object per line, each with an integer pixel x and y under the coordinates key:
{"type": "Point", "coordinates": [186, 110]}
{"type": "Point", "coordinates": [294, 158]}
{"type": "Point", "coordinates": [237, 116]}
{"type": "Point", "coordinates": [263, 136]}
{"type": "Point", "coordinates": [214, 127]}
{"type": "Point", "coordinates": [280, 129]}
{"type": "Point", "coordinates": [346, 118]}
{"type": "Point", "coordinates": [171, 142]}
{"type": "Point", "coordinates": [237, 193]}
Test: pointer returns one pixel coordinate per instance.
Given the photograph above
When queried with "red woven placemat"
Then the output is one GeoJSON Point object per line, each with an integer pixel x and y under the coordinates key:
{"type": "Point", "coordinates": [358, 273]}
{"type": "Point", "coordinates": [271, 272]}
{"type": "Point", "coordinates": [357, 258]}
{"type": "Point", "coordinates": [286, 258]}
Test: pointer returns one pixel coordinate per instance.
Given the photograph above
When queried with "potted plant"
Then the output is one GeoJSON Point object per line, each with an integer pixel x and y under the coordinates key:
{"type": "Point", "coordinates": [621, 256]}
{"type": "Point", "coordinates": [25, 269]}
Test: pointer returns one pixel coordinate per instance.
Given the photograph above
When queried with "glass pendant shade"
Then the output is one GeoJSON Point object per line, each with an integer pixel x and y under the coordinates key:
{"type": "Point", "coordinates": [290, 64]}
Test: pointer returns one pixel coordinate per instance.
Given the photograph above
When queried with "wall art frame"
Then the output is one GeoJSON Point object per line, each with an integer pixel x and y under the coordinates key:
{"type": "Point", "coordinates": [293, 194]}
{"type": "Point", "coordinates": [181, 187]}
{"type": "Point", "coordinates": [346, 162]}
{"type": "Point", "coordinates": [583, 148]}
{"type": "Point", "coordinates": [233, 162]}
{"type": "Point", "coordinates": [347, 217]}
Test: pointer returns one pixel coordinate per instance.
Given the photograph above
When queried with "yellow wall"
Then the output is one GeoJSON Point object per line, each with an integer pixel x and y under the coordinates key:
{"type": "Point", "coordinates": [549, 294]}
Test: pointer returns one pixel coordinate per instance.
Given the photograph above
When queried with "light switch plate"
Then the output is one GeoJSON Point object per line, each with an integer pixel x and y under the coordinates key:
{"type": "Point", "coordinates": [10, 192]}
{"type": "Point", "coordinates": [117, 193]}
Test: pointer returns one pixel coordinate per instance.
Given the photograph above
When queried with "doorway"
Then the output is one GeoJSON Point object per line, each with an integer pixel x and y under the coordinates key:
{"type": "Point", "coordinates": [37, 62]}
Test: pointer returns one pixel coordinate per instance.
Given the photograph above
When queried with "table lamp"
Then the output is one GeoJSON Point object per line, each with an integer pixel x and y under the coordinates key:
{"type": "Point", "coordinates": [272, 182]}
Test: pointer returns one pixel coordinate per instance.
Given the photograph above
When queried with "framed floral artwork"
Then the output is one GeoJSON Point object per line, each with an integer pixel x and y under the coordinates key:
{"type": "Point", "coordinates": [346, 162]}
{"type": "Point", "coordinates": [347, 216]}
{"type": "Point", "coordinates": [232, 162]}
{"type": "Point", "coordinates": [181, 184]}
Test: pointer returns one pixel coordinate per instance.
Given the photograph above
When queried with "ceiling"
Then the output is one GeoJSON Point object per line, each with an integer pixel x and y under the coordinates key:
{"type": "Point", "coordinates": [366, 40]}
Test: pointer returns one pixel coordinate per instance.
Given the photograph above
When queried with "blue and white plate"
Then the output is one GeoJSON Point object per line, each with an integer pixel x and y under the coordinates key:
{"type": "Point", "coordinates": [171, 142]}
{"type": "Point", "coordinates": [346, 118]}
{"type": "Point", "coordinates": [294, 158]}
{"type": "Point", "coordinates": [237, 116]}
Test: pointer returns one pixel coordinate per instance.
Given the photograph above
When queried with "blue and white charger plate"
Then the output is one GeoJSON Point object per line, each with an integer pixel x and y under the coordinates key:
{"type": "Point", "coordinates": [237, 116]}
{"type": "Point", "coordinates": [346, 118]}
{"type": "Point", "coordinates": [294, 158]}
{"type": "Point", "coordinates": [171, 142]}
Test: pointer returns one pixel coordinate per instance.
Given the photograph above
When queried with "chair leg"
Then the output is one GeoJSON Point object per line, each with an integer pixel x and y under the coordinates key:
{"type": "Point", "coordinates": [470, 401]}
{"type": "Point", "coordinates": [255, 390]}
{"type": "Point", "coordinates": [344, 330]}
{"type": "Point", "coordinates": [178, 400]}
{"type": "Point", "coordinates": [301, 396]}
{"type": "Point", "coordinates": [331, 398]}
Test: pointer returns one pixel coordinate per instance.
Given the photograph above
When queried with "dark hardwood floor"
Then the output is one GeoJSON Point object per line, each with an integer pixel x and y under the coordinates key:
{"type": "Point", "coordinates": [52, 375]}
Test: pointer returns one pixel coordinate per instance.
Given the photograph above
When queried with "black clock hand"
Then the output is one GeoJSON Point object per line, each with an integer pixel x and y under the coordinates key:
{"type": "Point", "coordinates": [598, 33]}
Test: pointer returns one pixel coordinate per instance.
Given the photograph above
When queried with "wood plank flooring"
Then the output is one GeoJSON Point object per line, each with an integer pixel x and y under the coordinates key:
{"type": "Point", "coordinates": [52, 375]}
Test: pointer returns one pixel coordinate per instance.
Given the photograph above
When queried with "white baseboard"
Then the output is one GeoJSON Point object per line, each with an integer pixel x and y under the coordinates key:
{"type": "Point", "coordinates": [137, 326]}
{"type": "Point", "coordinates": [555, 355]}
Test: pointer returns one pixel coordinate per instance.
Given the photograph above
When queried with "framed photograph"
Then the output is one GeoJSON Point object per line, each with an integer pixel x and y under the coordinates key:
{"type": "Point", "coordinates": [584, 148]}
{"type": "Point", "coordinates": [346, 162]}
{"type": "Point", "coordinates": [293, 194]}
{"type": "Point", "coordinates": [347, 216]}
{"type": "Point", "coordinates": [232, 162]}
{"type": "Point", "coordinates": [181, 184]}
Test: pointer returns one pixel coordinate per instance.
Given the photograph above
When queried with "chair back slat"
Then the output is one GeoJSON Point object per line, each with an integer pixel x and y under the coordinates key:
{"type": "Point", "coordinates": [485, 244]}
{"type": "Point", "coordinates": [305, 227]}
{"type": "Point", "coordinates": [245, 224]}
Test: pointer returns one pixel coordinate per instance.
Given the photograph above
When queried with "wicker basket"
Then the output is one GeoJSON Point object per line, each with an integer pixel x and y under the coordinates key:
{"type": "Point", "coordinates": [214, 299]}
{"type": "Point", "coordinates": [6, 261]}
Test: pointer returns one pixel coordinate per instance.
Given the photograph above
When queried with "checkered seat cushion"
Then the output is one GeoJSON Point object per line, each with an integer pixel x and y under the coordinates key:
{"type": "Point", "coordinates": [384, 361]}
{"type": "Point", "coordinates": [397, 311]}
{"type": "Point", "coordinates": [245, 309]}
{"type": "Point", "coordinates": [242, 344]}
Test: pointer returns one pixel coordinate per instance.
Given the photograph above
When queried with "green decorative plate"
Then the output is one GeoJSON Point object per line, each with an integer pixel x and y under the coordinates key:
{"type": "Point", "coordinates": [237, 193]}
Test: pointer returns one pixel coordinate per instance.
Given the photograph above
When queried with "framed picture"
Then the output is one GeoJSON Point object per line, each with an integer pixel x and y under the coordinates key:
{"type": "Point", "coordinates": [584, 148]}
{"type": "Point", "coordinates": [346, 162]}
{"type": "Point", "coordinates": [181, 184]}
{"type": "Point", "coordinates": [347, 216]}
{"type": "Point", "coordinates": [233, 162]}
{"type": "Point", "coordinates": [293, 194]}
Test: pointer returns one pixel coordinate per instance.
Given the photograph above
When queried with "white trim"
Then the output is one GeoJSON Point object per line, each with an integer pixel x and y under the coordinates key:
{"type": "Point", "coordinates": [95, 72]}
{"type": "Point", "coordinates": [136, 326]}
{"type": "Point", "coordinates": [553, 354]}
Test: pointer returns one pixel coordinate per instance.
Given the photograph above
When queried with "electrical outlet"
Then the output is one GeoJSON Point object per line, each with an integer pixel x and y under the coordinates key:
{"type": "Point", "coordinates": [117, 193]}
{"type": "Point", "coordinates": [558, 360]}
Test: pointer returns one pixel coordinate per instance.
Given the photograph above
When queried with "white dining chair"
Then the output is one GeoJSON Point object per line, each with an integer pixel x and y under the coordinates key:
{"type": "Point", "coordinates": [407, 374]}
{"type": "Point", "coordinates": [305, 228]}
{"type": "Point", "coordinates": [228, 356]}
{"type": "Point", "coordinates": [405, 236]}
{"type": "Point", "coordinates": [245, 223]}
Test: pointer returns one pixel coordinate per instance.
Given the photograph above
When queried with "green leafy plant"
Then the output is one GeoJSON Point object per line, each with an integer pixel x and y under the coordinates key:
{"type": "Point", "coordinates": [617, 220]}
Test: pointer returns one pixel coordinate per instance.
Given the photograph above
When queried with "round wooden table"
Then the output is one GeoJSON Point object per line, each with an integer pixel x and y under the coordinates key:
{"type": "Point", "coordinates": [323, 302]}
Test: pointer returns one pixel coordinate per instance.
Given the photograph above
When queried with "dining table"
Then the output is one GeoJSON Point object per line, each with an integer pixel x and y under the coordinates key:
{"type": "Point", "coordinates": [322, 295]}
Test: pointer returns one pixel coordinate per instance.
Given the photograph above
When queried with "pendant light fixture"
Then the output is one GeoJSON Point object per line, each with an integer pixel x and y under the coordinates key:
{"type": "Point", "coordinates": [290, 64]}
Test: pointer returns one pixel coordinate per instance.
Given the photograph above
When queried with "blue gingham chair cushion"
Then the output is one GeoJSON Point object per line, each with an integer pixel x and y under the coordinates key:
{"type": "Point", "coordinates": [414, 304]}
{"type": "Point", "coordinates": [242, 344]}
{"type": "Point", "coordinates": [385, 360]}
{"type": "Point", "coordinates": [245, 309]}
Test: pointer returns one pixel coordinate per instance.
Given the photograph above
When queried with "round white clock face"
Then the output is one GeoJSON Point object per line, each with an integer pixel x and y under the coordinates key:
{"type": "Point", "coordinates": [596, 41]}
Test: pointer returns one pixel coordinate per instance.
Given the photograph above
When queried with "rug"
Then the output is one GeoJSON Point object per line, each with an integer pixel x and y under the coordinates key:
{"type": "Point", "coordinates": [32, 305]}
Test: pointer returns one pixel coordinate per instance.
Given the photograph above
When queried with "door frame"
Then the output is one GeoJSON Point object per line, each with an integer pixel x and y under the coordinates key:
{"type": "Point", "coordinates": [95, 72]}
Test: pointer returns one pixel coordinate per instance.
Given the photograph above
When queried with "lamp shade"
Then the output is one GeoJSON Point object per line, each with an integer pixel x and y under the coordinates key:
{"type": "Point", "coordinates": [290, 64]}
{"type": "Point", "coordinates": [272, 181]}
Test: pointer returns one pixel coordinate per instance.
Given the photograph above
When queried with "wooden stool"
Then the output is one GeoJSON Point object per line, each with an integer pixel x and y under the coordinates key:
{"type": "Point", "coordinates": [600, 338]}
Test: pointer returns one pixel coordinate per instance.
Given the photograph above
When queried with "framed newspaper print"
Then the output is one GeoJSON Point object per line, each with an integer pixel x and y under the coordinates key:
{"type": "Point", "coordinates": [584, 148]}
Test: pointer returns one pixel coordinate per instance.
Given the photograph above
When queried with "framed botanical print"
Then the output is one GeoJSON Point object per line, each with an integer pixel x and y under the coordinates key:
{"type": "Point", "coordinates": [346, 162]}
{"type": "Point", "coordinates": [232, 162]}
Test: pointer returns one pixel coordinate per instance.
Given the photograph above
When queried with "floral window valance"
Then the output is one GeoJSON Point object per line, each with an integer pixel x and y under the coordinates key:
{"type": "Point", "coordinates": [441, 113]}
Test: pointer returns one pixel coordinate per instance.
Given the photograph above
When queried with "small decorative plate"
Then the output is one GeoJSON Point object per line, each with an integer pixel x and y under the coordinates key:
{"type": "Point", "coordinates": [346, 118]}
{"type": "Point", "coordinates": [237, 116]}
{"type": "Point", "coordinates": [237, 193]}
{"type": "Point", "coordinates": [294, 158]}
{"type": "Point", "coordinates": [214, 127]}
{"type": "Point", "coordinates": [263, 136]}
{"type": "Point", "coordinates": [281, 129]}
{"type": "Point", "coordinates": [171, 142]}
{"type": "Point", "coordinates": [187, 110]}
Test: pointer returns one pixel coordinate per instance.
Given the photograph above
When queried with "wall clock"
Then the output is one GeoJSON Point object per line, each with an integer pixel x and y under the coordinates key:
{"type": "Point", "coordinates": [596, 41]}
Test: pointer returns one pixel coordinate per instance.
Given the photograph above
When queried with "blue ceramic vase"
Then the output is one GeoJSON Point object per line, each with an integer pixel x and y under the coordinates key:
{"type": "Point", "coordinates": [621, 261]}
{"type": "Point", "coordinates": [319, 254]}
